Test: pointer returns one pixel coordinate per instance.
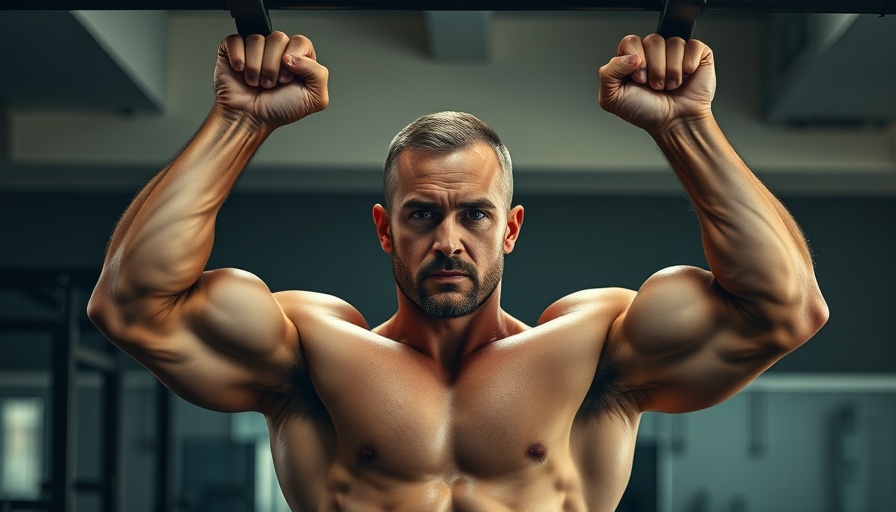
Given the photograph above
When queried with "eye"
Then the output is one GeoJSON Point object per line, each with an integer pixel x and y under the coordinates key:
{"type": "Point", "coordinates": [422, 215]}
{"type": "Point", "coordinates": [476, 214]}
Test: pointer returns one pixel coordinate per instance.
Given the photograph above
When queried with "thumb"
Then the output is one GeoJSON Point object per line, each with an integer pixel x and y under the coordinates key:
{"type": "Point", "coordinates": [612, 78]}
{"type": "Point", "coordinates": [309, 70]}
{"type": "Point", "coordinates": [620, 67]}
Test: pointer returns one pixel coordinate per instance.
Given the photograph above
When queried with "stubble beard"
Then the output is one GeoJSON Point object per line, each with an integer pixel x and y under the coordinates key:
{"type": "Point", "coordinates": [439, 305]}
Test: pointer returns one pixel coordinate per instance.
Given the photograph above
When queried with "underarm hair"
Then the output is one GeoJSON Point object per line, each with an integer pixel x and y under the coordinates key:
{"type": "Point", "coordinates": [605, 395]}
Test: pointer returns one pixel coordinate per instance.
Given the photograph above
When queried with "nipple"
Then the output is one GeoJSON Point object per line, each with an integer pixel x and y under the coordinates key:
{"type": "Point", "coordinates": [366, 454]}
{"type": "Point", "coordinates": [537, 452]}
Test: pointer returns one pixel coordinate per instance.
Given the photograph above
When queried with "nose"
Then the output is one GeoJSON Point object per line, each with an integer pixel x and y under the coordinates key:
{"type": "Point", "coordinates": [447, 240]}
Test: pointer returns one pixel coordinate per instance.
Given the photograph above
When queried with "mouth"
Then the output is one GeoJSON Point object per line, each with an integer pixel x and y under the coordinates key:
{"type": "Point", "coordinates": [447, 275]}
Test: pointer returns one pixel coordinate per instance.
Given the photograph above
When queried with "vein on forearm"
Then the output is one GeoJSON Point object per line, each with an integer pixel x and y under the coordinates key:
{"type": "Point", "coordinates": [165, 238]}
{"type": "Point", "coordinates": [754, 247]}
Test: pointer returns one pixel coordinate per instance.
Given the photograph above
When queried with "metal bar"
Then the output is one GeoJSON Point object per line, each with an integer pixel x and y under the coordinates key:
{"type": "Point", "coordinates": [64, 396]}
{"type": "Point", "coordinates": [95, 360]}
{"type": "Point", "coordinates": [679, 17]}
{"type": "Point", "coordinates": [880, 7]}
{"type": "Point", "coordinates": [36, 325]}
{"type": "Point", "coordinates": [41, 297]}
{"type": "Point", "coordinates": [25, 505]}
{"type": "Point", "coordinates": [251, 17]}
{"type": "Point", "coordinates": [112, 395]}
{"type": "Point", "coordinates": [27, 325]}
{"type": "Point", "coordinates": [89, 486]}
{"type": "Point", "coordinates": [36, 278]}
{"type": "Point", "coordinates": [164, 468]}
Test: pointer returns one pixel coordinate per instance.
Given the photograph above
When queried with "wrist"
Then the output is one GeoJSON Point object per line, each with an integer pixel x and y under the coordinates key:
{"type": "Point", "coordinates": [683, 126]}
{"type": "Point", "coordinates": [229, 119]}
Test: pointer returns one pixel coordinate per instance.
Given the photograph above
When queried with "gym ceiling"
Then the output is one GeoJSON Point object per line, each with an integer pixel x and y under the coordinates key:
{"type": "Point", "coordinates": [828, 73]}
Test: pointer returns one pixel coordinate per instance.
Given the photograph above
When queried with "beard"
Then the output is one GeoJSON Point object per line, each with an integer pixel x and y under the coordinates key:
{"type": "Point", "coordinates": [441, 304]}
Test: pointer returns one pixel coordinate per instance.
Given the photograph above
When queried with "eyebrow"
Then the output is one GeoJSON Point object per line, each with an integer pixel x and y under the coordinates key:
{"type": "Point", "coordinates": [476, 204]}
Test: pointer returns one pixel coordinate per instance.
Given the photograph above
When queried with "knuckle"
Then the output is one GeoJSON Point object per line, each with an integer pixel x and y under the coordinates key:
{"type": "Point", "coordinates": [654, 39]}
{"type": "Point", "coordinates": [277, 37]}
{"type": "Point", "coordinates": [255, 39]}
{"type": "Point", "coordinates": [678, 41]}
{"type": "Point", "coordinates": [631, 38]}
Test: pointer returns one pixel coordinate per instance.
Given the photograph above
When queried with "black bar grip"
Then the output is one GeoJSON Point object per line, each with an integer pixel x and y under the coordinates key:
{"type": "Point", "coordinates": [679, 17]}
{"type": "Point", "coordinates": [251, 17]}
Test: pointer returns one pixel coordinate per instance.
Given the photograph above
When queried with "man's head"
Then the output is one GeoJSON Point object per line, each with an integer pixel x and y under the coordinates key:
{"type": "Point", "coordinates": [444, 132]}
{"type": "Point", "coordinates": [447, 220]}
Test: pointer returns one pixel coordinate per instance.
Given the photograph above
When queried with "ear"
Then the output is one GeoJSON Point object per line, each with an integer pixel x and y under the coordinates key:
{"type": "Point", "coordinates": [383, 229]}
{"type": "Point", "coordinates": [514, 224]}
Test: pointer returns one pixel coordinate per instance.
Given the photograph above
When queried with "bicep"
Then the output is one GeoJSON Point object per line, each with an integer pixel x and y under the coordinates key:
{"type": "Point", "coordinates": [685, 344]}
{"type": "Point", "coordinates": [222, 345]}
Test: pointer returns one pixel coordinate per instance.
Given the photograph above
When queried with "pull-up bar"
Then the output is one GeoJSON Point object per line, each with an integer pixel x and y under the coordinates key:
{"type": "Point", "coordinates": [880, 7]}
{"type": "Point", "coordinates": [677, 19]}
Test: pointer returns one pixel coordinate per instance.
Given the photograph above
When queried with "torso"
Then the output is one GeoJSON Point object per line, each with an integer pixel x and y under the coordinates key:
{"type": "Point", "coordinates": [526, 423]}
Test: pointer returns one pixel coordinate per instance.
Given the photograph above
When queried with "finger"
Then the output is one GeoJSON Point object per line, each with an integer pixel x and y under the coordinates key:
{"type": "Point", "coordinates": [655, 52]}
{"type": "Point", "coordinates": [274, 46]}
{"type": "Point", "coordinates": [301, 46]}
{"type": "Point", "coordinates": [233, 48]}
{"type": "Point", "coordinates": [311, 72]}
{"type": "Point", "coordinates": [613, 75]}
{"type": "Point", "coordinates": [694, 53]}
{"type": "Point", "coordinates": [630, 45]}
{"type": "Point", "coordinates": [254, 57]}
{"type": "Point", "coordinates": [285, 75]}
{"type": "Point", "coordinates": [675, 47]}
{"type": "Point", "coordinates": [621, 67]}
{"type": "Point", "coordinates": [307, 69]}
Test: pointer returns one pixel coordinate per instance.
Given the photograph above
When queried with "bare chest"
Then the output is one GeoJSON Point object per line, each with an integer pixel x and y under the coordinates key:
{"type": "Point", "coordinates": [509, 408]}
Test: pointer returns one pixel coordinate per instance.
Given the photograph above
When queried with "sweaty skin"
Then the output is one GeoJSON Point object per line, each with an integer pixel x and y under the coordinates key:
{"type": "Point", "coordinates": [432, 411]}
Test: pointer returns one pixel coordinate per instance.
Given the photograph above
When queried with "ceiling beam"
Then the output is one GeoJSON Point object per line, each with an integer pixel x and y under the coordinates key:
{"type": "Point", "coordinates": [107, 60]}
{"type": "Point", "coordinates": [819, 69]}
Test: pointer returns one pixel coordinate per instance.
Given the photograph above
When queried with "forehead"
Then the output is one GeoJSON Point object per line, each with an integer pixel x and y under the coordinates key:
{"type": "Point", "coordinates": [449, 176]}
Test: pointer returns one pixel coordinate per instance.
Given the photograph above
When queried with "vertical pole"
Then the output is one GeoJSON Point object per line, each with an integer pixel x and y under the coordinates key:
{"type": "Point", "coordinates": [758, 403]}
{"type": "Point", "coordinates": [164, 489]}
{"type": "Point", "coordinates": [112, 391]}
{"type": "Point", "coordinates": [65, 339]}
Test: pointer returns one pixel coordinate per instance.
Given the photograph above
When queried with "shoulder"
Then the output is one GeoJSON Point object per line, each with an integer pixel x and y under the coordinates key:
{"type": "Point", "coordinates": [304, 306]}
{"type": "Point", "coordinates": [603, 302]}
{"type": "Point", "coordinates": [598, 312]}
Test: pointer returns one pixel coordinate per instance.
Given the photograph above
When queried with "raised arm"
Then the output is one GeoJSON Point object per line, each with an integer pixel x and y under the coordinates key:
{"type": "Point", "coordinates": [219, 339]}
{"type": "Point", "coordinates": [692, 338]}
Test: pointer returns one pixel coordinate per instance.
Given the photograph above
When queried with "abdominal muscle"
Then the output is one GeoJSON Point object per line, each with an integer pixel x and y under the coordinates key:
{"type": "Point", "coordinates": [461, 494]}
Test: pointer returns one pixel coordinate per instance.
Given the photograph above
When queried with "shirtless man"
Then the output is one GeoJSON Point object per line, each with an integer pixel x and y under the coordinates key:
{"type": "Point", "coordinates": [453, 404]}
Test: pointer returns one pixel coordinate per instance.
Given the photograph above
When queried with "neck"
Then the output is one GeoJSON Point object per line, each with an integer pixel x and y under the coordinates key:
{"type": "Point", "coordinates": [448, 340]}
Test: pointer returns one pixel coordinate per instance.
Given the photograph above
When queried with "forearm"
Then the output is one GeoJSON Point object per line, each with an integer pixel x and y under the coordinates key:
{"type": "Point", "coordinates": [164, 239]}
{"type": "Point", "coordinates": [753, 246]}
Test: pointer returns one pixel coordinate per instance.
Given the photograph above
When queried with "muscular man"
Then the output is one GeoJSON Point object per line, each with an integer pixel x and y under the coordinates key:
{"type": "Point", "coordinates": [453, 404]}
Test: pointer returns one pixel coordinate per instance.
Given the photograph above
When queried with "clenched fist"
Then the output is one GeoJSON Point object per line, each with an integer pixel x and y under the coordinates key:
{"type": "Point", "coordinates": [274, 80]}
{"type": "Point", "coordinates": [654, 83]}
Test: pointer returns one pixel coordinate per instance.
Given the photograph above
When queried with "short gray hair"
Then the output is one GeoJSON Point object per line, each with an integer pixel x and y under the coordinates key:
{"type": "Point", "coordinates": [444, 132]}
